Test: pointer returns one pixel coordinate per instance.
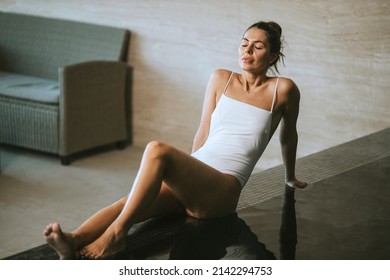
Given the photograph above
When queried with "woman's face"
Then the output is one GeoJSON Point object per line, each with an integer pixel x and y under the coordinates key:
{"type": "Point", "coordinates": [254, 51]}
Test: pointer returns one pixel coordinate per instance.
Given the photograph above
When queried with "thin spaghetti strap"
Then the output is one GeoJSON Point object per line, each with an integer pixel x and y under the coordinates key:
{"type": "Point", "coordinates": [228, 82]}
{"type": "Point", "coordinates": [273, 100]}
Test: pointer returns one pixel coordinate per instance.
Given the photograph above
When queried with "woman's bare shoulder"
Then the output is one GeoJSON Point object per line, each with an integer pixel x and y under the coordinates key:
{"type": "Point", "coordinates": [221, 74]}
{"type": "Point", "coordinates": [286, 82]}
{"type": "Point", "coordinates": [219, 79]}
{"type": "Point", "coordinates": [288, 88]}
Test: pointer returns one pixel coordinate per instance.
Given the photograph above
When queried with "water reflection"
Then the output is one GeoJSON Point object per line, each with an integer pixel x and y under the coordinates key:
{"type": "Point", "coordinates": [288, 227]}
{"type": "Point", "coordinates": [205, 239]}
{"type": "Point", "coordinates": [225, 238]}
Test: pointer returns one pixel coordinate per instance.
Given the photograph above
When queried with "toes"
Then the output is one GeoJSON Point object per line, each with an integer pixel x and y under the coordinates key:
{"type": "Point", "coordinates": [89, 256]}
{"type": "Point", "coordinates": [48, 229]}
{"type": "Point", "coordinates": [56, 227]}
{"type": "Point", "coordinates": [83, 251]}
{"type": "Point", "coordinates": [89, 253]}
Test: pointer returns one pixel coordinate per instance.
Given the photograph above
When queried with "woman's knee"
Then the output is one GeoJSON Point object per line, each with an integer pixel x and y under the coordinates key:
{"type": "Point", "coordinates": [157, 150]}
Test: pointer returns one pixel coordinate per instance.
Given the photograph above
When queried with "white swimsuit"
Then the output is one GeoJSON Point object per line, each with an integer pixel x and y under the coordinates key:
{"type": "Point", "coordinates": [239, 134]}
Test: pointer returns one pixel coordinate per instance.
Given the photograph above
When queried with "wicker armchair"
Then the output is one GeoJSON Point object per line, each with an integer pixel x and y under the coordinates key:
{"type": "Point", "coordinates": [64, 86]}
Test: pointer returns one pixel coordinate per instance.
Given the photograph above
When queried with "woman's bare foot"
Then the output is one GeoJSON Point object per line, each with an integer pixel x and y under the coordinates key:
{"type": "Point", "coordinates": [61, 242]}
{"type": "Point", "coordinates": [109, 243]}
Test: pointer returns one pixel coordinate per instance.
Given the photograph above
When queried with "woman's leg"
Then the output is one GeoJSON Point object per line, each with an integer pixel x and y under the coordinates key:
{"type": "Point", "coordinates": [91, 229]}
{"type": "Point", "coordinates": [67, 244]}
{"type": "Point", "coordinates": [202, 190]}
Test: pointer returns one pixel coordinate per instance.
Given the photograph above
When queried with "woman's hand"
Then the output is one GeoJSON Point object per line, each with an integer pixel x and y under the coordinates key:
{"type": "Point", "coordinates": [295, 183]}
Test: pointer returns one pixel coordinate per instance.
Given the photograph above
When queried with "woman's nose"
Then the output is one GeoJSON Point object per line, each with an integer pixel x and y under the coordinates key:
{"type": "Point", "coordinates": [249, 50]}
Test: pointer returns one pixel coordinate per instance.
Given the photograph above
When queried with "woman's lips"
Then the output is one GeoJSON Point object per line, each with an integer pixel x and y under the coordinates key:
{"type": "Point", "coordinates": [247, 59]}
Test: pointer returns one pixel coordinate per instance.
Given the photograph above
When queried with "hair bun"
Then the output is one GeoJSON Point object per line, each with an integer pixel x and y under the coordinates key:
{"type": "Point", "coordinates": [275, 27]}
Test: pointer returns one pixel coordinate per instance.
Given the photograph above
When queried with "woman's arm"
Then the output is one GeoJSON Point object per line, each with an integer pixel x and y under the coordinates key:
{"type": "Point", "coordinates": [210, 101]}
{"type": "Point", "coordinates": [288, 133]}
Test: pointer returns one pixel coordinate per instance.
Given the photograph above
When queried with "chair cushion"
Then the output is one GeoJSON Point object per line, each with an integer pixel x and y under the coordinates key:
{"type": "Point", "coordinates": [29, 88]}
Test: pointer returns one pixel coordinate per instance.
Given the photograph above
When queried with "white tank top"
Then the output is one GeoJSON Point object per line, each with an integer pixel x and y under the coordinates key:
{"type": "Point", "coordinates": [239, 134]}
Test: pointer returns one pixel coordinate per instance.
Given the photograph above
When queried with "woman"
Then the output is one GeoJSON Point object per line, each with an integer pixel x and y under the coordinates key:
{"type": "Point", "coordinates": [240, 114]}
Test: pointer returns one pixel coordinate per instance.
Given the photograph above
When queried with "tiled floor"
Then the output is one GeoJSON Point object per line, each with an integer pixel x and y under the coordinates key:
{"type": "Point", "coordinates": [343, 216]}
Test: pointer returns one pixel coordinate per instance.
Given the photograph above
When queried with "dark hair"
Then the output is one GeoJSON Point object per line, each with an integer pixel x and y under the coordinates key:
{"type": "Point", "coordinates": [274, 34]}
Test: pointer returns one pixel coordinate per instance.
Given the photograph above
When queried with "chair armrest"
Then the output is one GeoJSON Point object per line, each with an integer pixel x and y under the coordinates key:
{"type": "Point", "coordinates": [92, 105]}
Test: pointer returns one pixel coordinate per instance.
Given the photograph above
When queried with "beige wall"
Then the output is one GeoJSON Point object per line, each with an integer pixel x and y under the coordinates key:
{"type": "Point", "coordinates": [338, 52]}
